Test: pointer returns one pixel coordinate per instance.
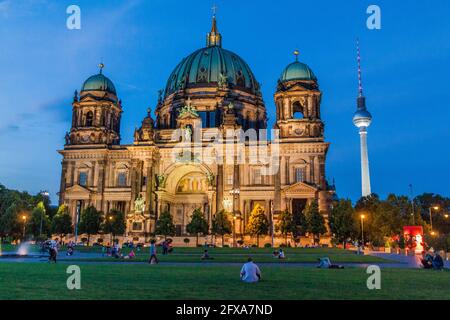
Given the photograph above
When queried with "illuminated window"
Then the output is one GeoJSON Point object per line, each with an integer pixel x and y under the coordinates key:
{"type": "Point", "coordinates": [82, 179]}
{"type": "Point", "coordinates": [230, 179]}
{"type": "Point", "coordinates": [258, 178]}
{"type": "Point", "coordinates": [299, 176]}
{"type": "Point", "coordinates": [89, 119]}
{"type": "Point", "coordinates": [122, 179]}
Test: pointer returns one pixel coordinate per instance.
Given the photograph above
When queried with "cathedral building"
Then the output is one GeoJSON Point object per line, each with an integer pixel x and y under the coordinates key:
{"type": "Point", "coordinates": [210, 92]}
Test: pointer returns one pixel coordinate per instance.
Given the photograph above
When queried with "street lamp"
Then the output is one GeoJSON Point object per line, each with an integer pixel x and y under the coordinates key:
{"type": "Point", "coordinates": [110, 218]}
{"type": "Point", "coordinates": [362, 228]}
{"type": "Point", "coordinates": [24, 218]}
{"type": "Point", "coordinates": [234, 231]}
{"type": "Point", "coordinates": [44, 194]}
{"type": "Point", "coordinates": [234, 193]}
{"type": "Point", "coordinates": [431, 220]}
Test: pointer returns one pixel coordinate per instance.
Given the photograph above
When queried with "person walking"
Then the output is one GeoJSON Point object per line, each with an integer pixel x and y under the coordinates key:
{"type": "Point", "coordinates": [153, 259]}
{"type": "Point", "coordinates": [53, 250]}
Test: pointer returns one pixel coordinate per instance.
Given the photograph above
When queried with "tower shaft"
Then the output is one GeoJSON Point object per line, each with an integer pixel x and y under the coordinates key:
{"type": "Point", "coordinates": [365, 174]}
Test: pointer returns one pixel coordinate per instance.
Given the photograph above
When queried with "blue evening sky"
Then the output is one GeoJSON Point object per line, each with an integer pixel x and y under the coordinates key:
{"type": "Point", "coordinates": [406, 69]}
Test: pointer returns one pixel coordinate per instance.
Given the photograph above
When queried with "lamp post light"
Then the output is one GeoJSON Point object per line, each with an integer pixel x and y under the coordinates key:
{"type": "Point", "coordinates": [24, 218]}
{"type": "Point", "coordinates": [111, 218]}
{"type": "Point", "coordinates": [431, 219]}
{"type": "Point", "coordinates": [234, 192]}
{"type": "Point", "coordinates": [362, 228]}
{"type": "Point", "coordinates": [77, 212]}
{"type": "Point", "coordinates": [45, 194]}
{"type": "Point", "coordinates": [234, 231]}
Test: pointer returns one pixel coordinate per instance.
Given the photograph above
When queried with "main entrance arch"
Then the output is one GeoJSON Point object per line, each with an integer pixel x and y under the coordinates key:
{"type": "Point", "coordinates": [188, 187]}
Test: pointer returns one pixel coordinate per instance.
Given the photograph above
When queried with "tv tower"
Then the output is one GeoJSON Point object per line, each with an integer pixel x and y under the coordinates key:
{"type": "Point", "coordinates": [362, 120]}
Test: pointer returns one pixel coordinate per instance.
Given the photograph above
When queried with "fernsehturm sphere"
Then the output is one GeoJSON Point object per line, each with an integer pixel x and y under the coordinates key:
{"type": "Point", "coordinates": [362, 120]}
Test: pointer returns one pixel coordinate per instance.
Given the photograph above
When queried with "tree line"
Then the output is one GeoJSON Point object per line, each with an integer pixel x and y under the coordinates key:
{"type": "Point", "coordinates": [383, 220]}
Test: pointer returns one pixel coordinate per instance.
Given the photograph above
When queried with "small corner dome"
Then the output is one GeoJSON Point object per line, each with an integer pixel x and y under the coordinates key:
{"type": "Point", "coordinates": [297, 71]}
{"type": "Point", "coordinates": [99, 82]}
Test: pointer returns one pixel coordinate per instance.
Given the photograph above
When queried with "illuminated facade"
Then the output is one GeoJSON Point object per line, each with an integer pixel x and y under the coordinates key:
{"type": "Point", "coordinates": [209, 92]}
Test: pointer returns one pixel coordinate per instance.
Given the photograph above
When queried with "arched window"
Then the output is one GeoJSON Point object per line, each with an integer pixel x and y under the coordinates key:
{"type": "Point", "coordinates": [297, 110]}
{"type": "Point", "coordinates": [89, 119]}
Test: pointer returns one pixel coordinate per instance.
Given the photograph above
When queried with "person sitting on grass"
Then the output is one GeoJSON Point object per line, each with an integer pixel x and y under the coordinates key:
{"type": "Point", "coordinates": [281, 254]}
{"type": "Point", "coordinates": [131, 255]}
{"type": "Point", "coordinates": [438, 262]}
{"type": "Point", "coordinates": [250, 272]}
{"type": "Point", "coordinates": [275, 254]}
{"type": "Point", "coordinates": [427, 260]}
{"type": "Point", "coordinates": [325, 263]}
{"type": "Point", "coordinates": [206, 255]}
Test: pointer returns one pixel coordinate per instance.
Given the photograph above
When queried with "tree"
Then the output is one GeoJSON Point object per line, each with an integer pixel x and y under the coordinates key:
{"type": "Point", "coordinates": [114, 223]}
{"type": "Point", "coordinates": [316, 222]}
{"type": "Point", "coordinates": [367, 206]}
{"type": "Point", "coordinates": [300, 224]}
{"type": "Point", "coordinates": [38, 218]}
{"type": "Point", "coordinates": [62, 222]}
{"type": "Point", "coordinates": [164, 225]}
{"type": "Point", "coordinates": [198, 225]}
{"type": "Point", "coordinates": [386, 222]}
{"type": "Point", "coordinates": [10, 223]}
{"type": "Point", "coordinates": [342, 221]}
{"type": "Point", "coordinates": [90, 222]}
{"type": "Point", "coordinates": [221, 224]}
{"type": "Point", "coordinates": [257, 224]}
{"type": "Point", "coordinates": [285, 224]}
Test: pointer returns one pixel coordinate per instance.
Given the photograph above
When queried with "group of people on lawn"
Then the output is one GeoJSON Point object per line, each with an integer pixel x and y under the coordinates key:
{"type": "Point", "coordinates": [432, 260]}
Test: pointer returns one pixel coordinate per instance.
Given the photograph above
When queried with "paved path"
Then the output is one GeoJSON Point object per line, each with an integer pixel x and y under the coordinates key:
{"type": "Point", "coordinates": [399, 261]}
{"type": "Point", "coordinates": [409, 261]}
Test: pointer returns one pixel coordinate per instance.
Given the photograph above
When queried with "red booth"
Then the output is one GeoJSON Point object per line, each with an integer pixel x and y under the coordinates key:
{"type": "Point", "coordinates": [413, 236]}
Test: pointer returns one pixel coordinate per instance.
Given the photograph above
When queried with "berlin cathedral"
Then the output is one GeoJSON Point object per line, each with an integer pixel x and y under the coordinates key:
{"type": "Point", "coordinates": [212, 90]}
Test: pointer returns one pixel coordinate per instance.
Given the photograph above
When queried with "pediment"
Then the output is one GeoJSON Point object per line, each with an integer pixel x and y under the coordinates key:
{"type": "Point", "coordinates": [300, 188]}
{"type": "Point", "coordinates": [78, 189]}
{"type": "Point", "coordinates": [188, 115]}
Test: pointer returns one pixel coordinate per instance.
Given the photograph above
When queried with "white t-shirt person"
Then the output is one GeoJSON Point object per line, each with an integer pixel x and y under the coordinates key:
{"type": "Point", "coordinates": [250, 272]}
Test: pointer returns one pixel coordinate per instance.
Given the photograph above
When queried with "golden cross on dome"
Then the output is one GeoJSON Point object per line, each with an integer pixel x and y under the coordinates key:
{"type": "Point", "coordinates": [101, 66]}
{"type": "Point", "coordinates": [296, 53]}
{"type": "Point", "coordinates": [214, 9]}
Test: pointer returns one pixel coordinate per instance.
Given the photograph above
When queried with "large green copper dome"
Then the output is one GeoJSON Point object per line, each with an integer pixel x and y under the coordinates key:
{"type": "Point", "coordinates": [211, 66]}
{"type": "Point", "coordinates": [99, 82]}
{"type": "Point", "coordinates": [297, 71]}
{"type": "Point", "coordinates": [207, 65]}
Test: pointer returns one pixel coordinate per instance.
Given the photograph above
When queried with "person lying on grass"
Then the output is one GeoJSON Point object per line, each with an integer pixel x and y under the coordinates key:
{"type": "Point", "coordinates": [325, 263]}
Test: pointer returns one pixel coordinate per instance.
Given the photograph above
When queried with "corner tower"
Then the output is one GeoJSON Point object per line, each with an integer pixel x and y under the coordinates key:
{"type": "Point", "coordinates": [301, 177]}
{"type": "Point", "coordinates": [96, 113]}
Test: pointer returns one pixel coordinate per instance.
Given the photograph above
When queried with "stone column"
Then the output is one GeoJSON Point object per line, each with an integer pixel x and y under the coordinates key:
{"type": "Point", "coordinates": [311, 169]}
{"type": "Point", "coordinates": [219, 186]}
{"type": "Point", "coordinates": [288, 172]}
{"type": "Point", "coordinates": [316, 171]}
{"type": "Point", "coordinates": [62, 184]}
{"type": "Point", "coordinates": [277, 193]}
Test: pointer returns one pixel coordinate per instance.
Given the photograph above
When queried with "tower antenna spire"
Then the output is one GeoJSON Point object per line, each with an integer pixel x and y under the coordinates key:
{"type": "Point", "coordinates": [358, 51]}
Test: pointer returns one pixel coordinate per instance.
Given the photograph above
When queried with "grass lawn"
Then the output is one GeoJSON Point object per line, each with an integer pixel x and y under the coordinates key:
{"type": "Point", "coordinates": [117, 281]}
